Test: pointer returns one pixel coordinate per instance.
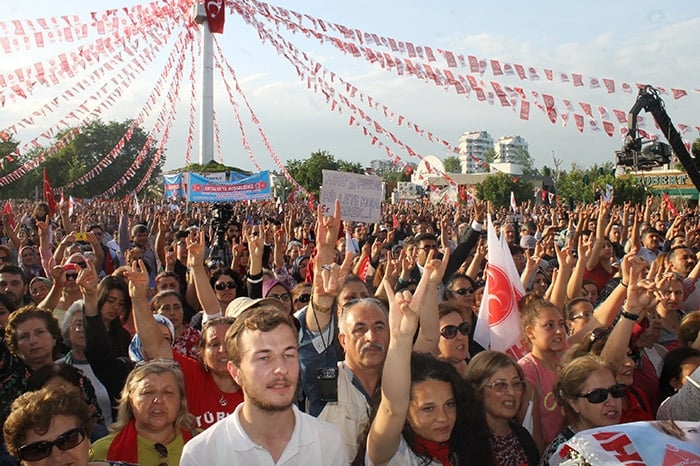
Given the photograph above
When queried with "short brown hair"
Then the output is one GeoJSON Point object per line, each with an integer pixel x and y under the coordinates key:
{"type": "Point", "coordinates": [264, 317]}
{"type": "Point", "coordinates": [573, 375]}
{"type": "Point", "coordinates": [22, 315]}
{"type": "Point", "coordinates": [484, 365]}
{"type": "Point", "coordinates": [690, 326]}
{"type": "Point", "coordinates": [34, 411]}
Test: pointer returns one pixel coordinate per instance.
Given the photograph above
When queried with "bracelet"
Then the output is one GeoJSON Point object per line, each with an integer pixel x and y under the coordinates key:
{"type": "Point", "coordinates": [623, 284]}
{"type": "Point", "coordinates": [317, 308]}
{"type": "Point", "coordinates": [629, 315]}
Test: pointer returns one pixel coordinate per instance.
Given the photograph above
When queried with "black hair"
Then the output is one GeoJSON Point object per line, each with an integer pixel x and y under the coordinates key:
{"type": "Point", "coordinates": [469, 441]}
{"type": "Point", "coordinates": [672, 369]}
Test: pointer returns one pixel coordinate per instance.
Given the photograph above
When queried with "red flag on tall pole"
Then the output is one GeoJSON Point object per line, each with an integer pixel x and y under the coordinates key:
{"type": "Point", "coordinates": [48, 195]}
{"type": "Point", "coordinates": [215, 15]}
{"type": "Point", "coordinates": [499, 325]}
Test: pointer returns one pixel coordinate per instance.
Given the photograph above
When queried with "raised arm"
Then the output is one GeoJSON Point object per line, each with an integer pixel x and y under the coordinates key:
{"type": "Point", "coordinates": [427, 294]}
{"type": "Point", "coordinates": [641, 296]}
{"type": "Point", "coordinates": [326, 274]}
{"type": "Point", "coordinates": [153, 343]}
{"type": "Point", "coordinates": [200, 277]}
{"type": "Point", "coordinates": [385, 432]}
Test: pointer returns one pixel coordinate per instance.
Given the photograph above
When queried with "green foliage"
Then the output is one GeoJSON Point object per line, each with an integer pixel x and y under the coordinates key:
{"type": "Point", "coordinates": [497, 188]}
{"type": "Point", "coordinates": [211, 167]}
{"type": "Point", "coordinates": [582, 185]}
{"type": "Point", "coordinates": [452, 165]}
{"type": "Point", "coordinates": [81, 155]}
{"type": "Point", "coordinates": [490, 155]}
{"type": "Point", "coordinates": [398, 175]}
{"type": "Point", "coordinates": [308, 173]}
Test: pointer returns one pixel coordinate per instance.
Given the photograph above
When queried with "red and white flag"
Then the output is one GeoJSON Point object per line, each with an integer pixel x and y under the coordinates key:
{"type": "Point", "coordinates": [513, 204]}
{"type": "Point", "coordinates": [7, 210]}
{"type": "Point", "coordinates": [499, 325]}
{"type": "Point", "coordinates": [215, 15]}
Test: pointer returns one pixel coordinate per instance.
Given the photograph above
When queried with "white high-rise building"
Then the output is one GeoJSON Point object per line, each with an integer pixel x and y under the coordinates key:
{"type": "Point", "coordinates": [508, 148]}
{"type": "Point", "coordinates": [473, 146]}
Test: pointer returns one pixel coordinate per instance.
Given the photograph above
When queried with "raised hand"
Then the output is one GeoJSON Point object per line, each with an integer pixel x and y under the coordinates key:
{"type": "Point", "coordinates": [137, 275]}
{"type": "Point", "coordinates": [403, 316]}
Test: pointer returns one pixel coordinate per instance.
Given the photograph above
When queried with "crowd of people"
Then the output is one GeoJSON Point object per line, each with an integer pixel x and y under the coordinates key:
{"type": "Point", "coordinates": [164, 333]}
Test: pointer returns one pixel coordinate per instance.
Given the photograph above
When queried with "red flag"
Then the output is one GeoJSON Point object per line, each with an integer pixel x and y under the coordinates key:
{"type": "Point", "coordinates": [669, 205]}
{"type": "Point", "coordinates": [499, 324]}
{"type": "Point", "coordinates": [215, 15]}
{"type": "Point", "coordinates": [678, 93]}
{"type": "Point", "coordinates": [394, 222]}
{"type": "Point", "coordinates": [48, 195]}
{"type": "Point", "coordinates": [7, 210]}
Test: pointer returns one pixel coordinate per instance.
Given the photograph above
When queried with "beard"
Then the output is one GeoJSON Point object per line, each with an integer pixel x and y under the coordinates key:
{"type": "Point", "coordinates": [255, 394]}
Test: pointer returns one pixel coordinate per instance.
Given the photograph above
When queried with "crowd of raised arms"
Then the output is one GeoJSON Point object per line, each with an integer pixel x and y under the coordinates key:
{"type": "Point", "coordinates": [164, 333]}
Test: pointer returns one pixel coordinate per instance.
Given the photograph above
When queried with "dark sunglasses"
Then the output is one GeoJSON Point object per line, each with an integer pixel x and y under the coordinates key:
{"type": "Point", "coordinates": [599, 395]}
{"type": "Point", "coordinates": [597, 334]}
{"type": "Point", "coordinates": [162, 453]}
{"type": "Point", "coordinates": [4, 259]}
{"type": "Point", "coordinates": [450, 331]}
{"type": "Point", "coordinates": [462, 291]}
{"type": "Point", "coordinates": [303, 298]}
{"type": "Point", "coordinates": [39, 450]}
{"type": "Point", "coordinates": [81, 264]}
{"type": "Point", "coordinates": [221, 286]}
{"type": "Point", "coordinates": [71, 276]}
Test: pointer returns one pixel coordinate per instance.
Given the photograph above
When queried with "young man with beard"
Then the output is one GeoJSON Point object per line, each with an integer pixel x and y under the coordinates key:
{"type": "Point", "coordinates": [266, 428]}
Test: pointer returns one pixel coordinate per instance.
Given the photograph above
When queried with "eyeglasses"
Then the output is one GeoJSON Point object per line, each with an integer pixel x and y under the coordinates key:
{"type": "Point", "coordinates": [71, 276]}
{"type": "Point", "coordinates": [5, 259]}
{"type": "Point", "coordinates": [597, 334]}
{"type": "Point", "coordinates": [78, 327]}
{"type": "Point", "coordinates": [303, 298]}
{"type": "Point", "coordinates": [599, 395]}
{"type": "Point", "coordinates": [462, 291]}
{"type": "Point", "coordinates": [221, 286]}
{"type": "Point", "coordinates": [37, 451]}
{"type": "Point", "coordinates": [502, 387]}
{"type": "Point", "coordinates": [81, 264]}
{"type": "Point", "coordinates": [282, 297]}
{"type": "Point", "coordinates": [581, 315]}
{"type": "Point", "coordinates": [450, 331]}
{"type": "Point", "coordinates": [162, 453]}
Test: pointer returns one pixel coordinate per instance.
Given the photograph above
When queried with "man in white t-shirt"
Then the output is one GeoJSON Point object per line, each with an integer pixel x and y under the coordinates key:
{"type": "Point", "coordinates": [267, 428]}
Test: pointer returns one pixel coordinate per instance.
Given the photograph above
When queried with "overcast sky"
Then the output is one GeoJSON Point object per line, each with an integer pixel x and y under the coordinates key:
{"type": "Point", "coordinates": [636, 42]}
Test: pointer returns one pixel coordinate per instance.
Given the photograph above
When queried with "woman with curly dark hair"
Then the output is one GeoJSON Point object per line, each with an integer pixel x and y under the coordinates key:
{"type": "Point", "coordinates": [427, 414]}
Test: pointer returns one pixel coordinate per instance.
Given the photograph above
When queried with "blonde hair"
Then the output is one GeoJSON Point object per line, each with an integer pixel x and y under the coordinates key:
{"type": "Point", "coordinates": [125, 411]}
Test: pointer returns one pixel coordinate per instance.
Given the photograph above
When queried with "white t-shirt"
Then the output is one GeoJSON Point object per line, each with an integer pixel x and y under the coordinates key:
{"type": "Point", "coordinates": [226, 442]}
{"type": "Point", "coordinates": [404, 456]}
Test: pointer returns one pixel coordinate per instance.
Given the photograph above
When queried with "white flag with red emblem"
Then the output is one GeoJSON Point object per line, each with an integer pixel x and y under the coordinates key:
{"type": "Point", "coordinates": [499, 325]}
{"type": "Point", "coordinates": [513, 204]}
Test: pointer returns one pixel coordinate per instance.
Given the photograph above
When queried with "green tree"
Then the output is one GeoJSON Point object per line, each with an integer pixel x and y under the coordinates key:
{"type": "Point", "coordinates": [497, 188]}
{"type": "Point", "coordinates": [309, 172]}
{"type": "Point", "coordinates": [452, 164]}
{"type": "Point", "coordinates": [82, 154]}
{"type": "Point", "coordinates": [490, 155]}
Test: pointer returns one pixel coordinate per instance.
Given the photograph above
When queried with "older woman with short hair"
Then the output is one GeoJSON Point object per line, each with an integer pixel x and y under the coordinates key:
{"type": "Point", "coordinates": [153, 423]}
{"type": "Point", "coordinates": [50, 417]}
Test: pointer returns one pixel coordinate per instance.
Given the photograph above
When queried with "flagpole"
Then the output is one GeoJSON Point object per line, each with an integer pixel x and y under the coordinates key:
{"type": "Point", "coordinates": [206, 116]}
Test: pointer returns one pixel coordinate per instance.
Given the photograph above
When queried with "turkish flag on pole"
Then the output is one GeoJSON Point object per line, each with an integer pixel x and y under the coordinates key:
{"type": "Point", "coordinates": [499, 324]}
{"type": "Point", "coordinates": [48, 195]}
{"type": "Point", "coordinates": [215, 15]}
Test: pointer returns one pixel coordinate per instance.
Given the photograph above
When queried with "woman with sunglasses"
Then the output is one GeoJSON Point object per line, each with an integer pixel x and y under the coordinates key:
{"type": "Point", "coordinates": [301, 295]}
{"type": "Point", "coordinates": [51, 426]}
{"type": "Point", "coordinates": [453, 345]}
{"type": "Point", "coordinates": [587, 389]}
{"type": "Point", "coordinates": [153, 423]}
{"type": "Point", "coordinates": [499, 384]}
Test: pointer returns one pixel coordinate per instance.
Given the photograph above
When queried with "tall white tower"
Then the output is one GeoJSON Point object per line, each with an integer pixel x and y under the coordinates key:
{"type": "Point", "coordinates": [206, 115]}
